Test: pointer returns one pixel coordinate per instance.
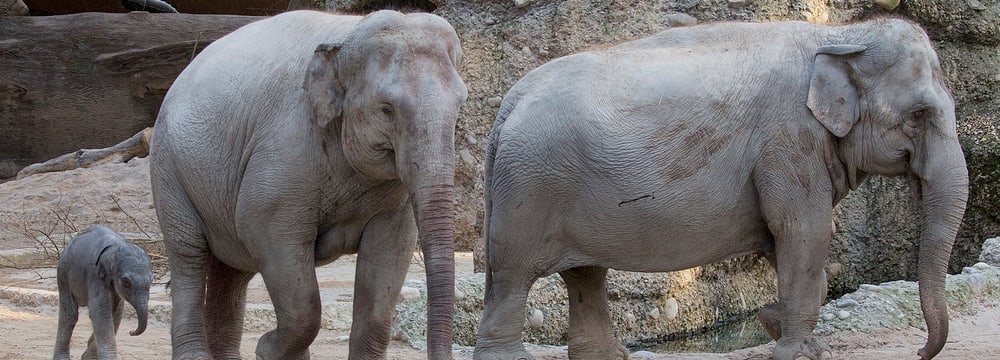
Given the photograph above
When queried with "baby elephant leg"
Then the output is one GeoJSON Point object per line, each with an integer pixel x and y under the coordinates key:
{"type": "Point", "coordinates": [69, 312]}
{"type": "Point", "coordinates": [101, 344]}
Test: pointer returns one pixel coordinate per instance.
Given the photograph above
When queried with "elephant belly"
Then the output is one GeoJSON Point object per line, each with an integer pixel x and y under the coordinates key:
{"type": "Point", "coordinates": [668, 238]}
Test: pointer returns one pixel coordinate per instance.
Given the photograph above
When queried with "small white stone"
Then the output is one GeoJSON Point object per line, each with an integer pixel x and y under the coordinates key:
{"type": "Point", "coordinates": [870, 287]}
{"type": "Point", "coordinates": [471, 139]}
{"type": "Point", "coordinates": [887, 4]}
{"type": "Point", "coordinates": [630, 317]}
{"type": "Point", "coordinates": [681, 19]}
{"type": "Point", "coordinates": [970, 270]}
{"type": "Point", "coordinates": [521, 3]}
{"type": "Point", "coordinates": [842, 303]}
{"type": "Point", "coordinates": [536, 318]}
{"type": "Point", "coordinates": [407, 293]}
{"type": "Point", "coordinates": [459, 294]}
{"type": "Point", "coordinates": [828, 316]}
{"type": "Point", "coordinates": [467, 157]}
{"type": "Point", "coordinates": [494, 101]}
{"type": "Point", "coordinates": [343, 338]}
{"type": "Point", "coordinates": [543, 52]}
{"type": "Point", "coordinates": [981, 266]}
{"type": "Point", "coordinates": [655, 313]}
{"type": "Point", "coordinates": [843, 314]}
{"type": "Point", "coordinates": [644, 354]}
{"type": "Point", "coordinates": [671, 308]}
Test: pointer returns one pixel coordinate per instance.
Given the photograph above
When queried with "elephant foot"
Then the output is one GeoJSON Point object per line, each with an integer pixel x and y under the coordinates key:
{"type": "Point", "coordinates": [609, 350]}
{"type": "Point", "coordinates": [513, 352]}
{"type": "Point", "coordinates": [89, 354]}
{"type": "Point", "coordinates": [810, 348]}
{"type": "Point", "coordinates": [769, 318]}
{"type": "Point", "coordinates": [268, 349]}
{"type": "Point", "coordinates": [192, 356]}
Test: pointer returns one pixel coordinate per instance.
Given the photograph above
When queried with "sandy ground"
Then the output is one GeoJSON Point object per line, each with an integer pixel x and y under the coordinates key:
{"type": "Point", "coordinates": [37, 212]}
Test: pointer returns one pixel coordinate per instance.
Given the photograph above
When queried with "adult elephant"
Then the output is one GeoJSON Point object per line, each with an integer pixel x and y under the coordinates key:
{"type": "Point", "coordinates": [704, 143]}
{"type": "Point", "coordinates": [298, 139]}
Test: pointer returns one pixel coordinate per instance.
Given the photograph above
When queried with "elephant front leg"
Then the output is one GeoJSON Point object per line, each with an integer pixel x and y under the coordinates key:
{"type": "Point", "coordinates": [69, 313]}
{"type": "Point", "coordinates": [102, 341]}
{"type": "Point", "coordinates": [92, 351]}
{"type": "Point", "coordinates": [384, 254]}
{"type": "Point", "coordinates": [799, 221]}
{"type": "Point", "coordinates": [590, 332]}
{"type": "Point", "coordinates": [290, 277]}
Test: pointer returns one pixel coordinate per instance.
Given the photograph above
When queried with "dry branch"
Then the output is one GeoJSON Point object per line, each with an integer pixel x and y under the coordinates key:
{"type": "Point", "coordinates": [136, 146]}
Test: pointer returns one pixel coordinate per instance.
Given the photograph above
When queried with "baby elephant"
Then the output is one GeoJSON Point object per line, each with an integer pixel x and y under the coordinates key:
{"type": "Point", "coordinates": [98, 269]}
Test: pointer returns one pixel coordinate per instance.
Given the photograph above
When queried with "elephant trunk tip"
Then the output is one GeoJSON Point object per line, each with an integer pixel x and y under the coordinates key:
{"type": "Point", "coordinates": [931, 349]}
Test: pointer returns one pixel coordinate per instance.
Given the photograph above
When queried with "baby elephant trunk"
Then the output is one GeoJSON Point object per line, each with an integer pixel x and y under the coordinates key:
{"type": "Point", "coordinates": [141, 314]}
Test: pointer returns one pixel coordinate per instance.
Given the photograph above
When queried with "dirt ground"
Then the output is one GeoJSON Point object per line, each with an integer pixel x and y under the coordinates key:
{"type": "Point", "coordinates": [37, 212]}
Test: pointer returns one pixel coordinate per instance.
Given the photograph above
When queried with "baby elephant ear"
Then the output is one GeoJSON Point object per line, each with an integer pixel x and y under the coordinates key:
{"type": "Point", "coordinates": [105, 262]}
{"type": "Point", "coordinates": [833, 96]}
{"type": "Point", "coordinates": [325, 92]}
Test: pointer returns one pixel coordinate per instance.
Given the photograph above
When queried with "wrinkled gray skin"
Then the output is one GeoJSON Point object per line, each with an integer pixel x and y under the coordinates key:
{"type": "Point", "coordinates": [98, 269]}
{"type": "Point", "coordinates": [708, 142]}
{"type": "Point", "coordinates": [13, 7]}
{"type": "Point", "coordinates": [298, 139]}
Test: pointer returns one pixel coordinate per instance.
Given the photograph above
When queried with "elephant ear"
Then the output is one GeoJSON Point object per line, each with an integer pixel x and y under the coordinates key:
{"type": "Point", "coordinates": [833, 96]}
{"type": "Point", "coordinates": [326, 94]}
{"type": "Point", "coordinates": [105, 262]}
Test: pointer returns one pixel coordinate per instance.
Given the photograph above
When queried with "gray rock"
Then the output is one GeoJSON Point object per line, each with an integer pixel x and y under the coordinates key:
{"type": "Point", "coordinates": [681, 19]}
{"type": "Point", "coordinates": [887, 4]}
{"type": "Point", "coordinates": [843, 303]}
{"type": "Point", "coordinates": [843, 314]}
{"type": "Point", "coordinates": [670, 308]}
{"type": "Point", "coordinates": [467, 157]}
{"type": "Point", "coordinates": [991, 252]}
{"type": "Point", "coordinates": [407, 293]}
{"type": "Point", "coordinates": [536, 318]}
{"type": "Point", "coordinates": [521, 3]}
{"type": "Point", "coordinates": [494, 101]}
{"type": "Point", "coordinates": [654, 314]}
{"type": "Point", "coordinates": [828, 316]}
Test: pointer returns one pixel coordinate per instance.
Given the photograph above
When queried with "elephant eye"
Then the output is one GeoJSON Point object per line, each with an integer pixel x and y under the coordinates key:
{"type": "Point", "coordinates": [386, 109]}
{"type": "Point", "coordinates": [126, 282]}
{"type": "Point", "coordinates": [921, 111]}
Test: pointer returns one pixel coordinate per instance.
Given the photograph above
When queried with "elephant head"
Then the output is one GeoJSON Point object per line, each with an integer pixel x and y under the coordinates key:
{"type": "Point", "coordinates": [127, 268]}
{"type": "Point", "coordinates": [882, 93]}
{"type": "Point", "coordinates": [391, 92]}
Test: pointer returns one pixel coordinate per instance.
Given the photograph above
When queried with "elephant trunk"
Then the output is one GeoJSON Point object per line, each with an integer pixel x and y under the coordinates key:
{"type": "Point", "coordinates": [944, 185]}
{"type": "Point", "coordinates": [429, 174]}
{"type": "Point", "coordinates": [141, 306]}
{"type": "Point", "coordinates": [435, 221]}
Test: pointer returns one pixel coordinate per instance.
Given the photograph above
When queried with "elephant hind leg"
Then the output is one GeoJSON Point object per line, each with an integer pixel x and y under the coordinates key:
{"type": "Point", "coordinates": [188, 254]}
{"type": "Point", "coordinates": [590, 332]}
{"type": "Point", "coordinates": [69, 313]}
{"type": "Point", "coordinates": [224, 308]}
{"type": "Point", "coordinates": [500, 330]}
